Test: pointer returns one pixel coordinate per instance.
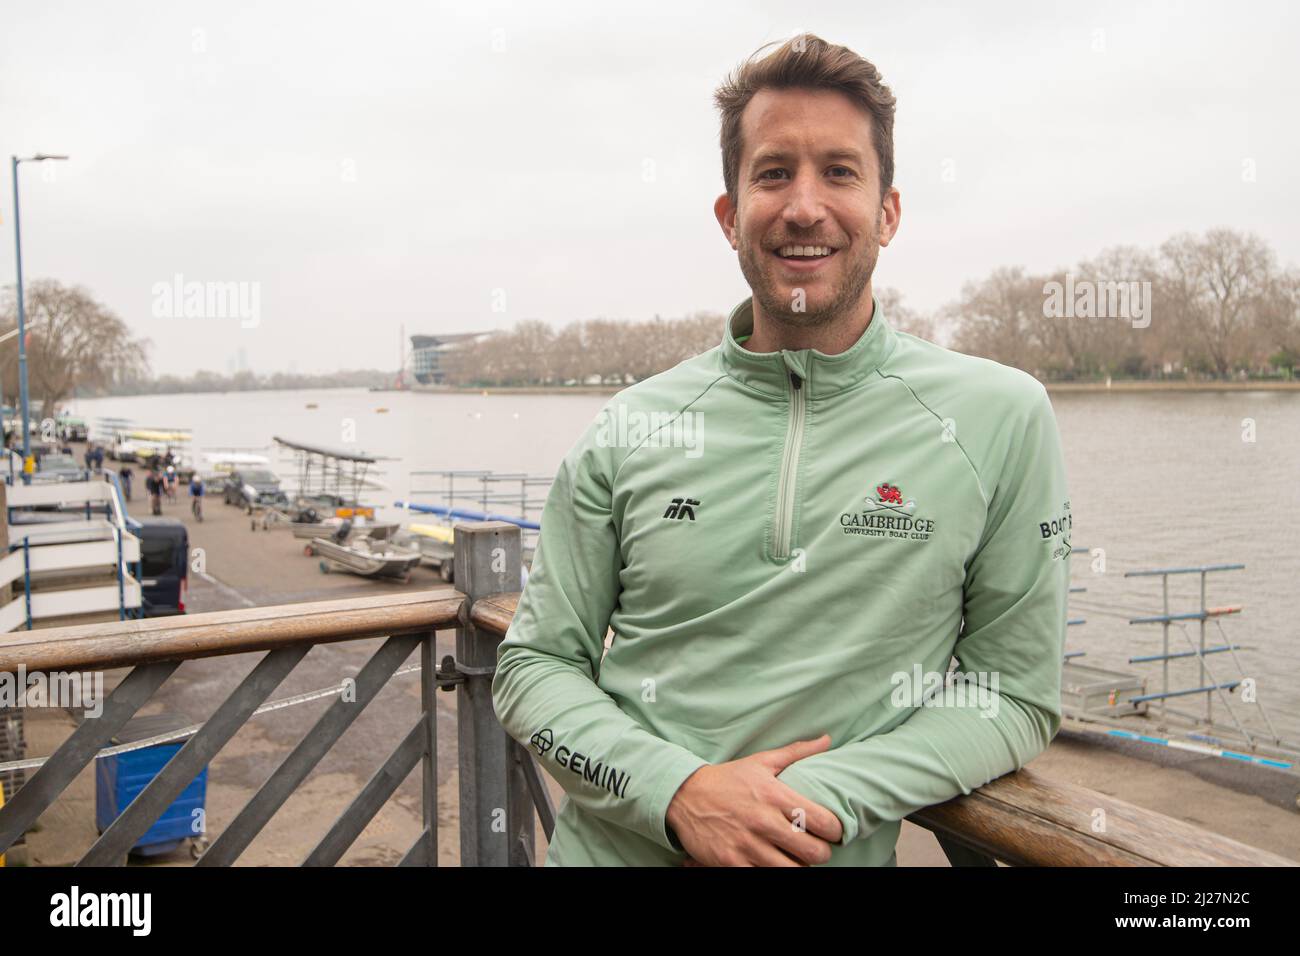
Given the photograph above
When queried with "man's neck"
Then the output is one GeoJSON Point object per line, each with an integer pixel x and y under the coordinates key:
{"type": "Point", "coordinates": [831, 338]}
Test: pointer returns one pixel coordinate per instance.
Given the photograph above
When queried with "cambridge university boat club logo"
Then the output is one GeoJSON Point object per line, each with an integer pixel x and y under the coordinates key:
{"type": "Point", "coordinates": [888, 514]}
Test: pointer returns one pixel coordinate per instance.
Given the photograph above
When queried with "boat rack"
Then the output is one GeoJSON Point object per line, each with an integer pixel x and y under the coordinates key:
{"type": "Point", "coordinates": [1096, 695]}
{"type": "Point", "coordinates": [507, 496]}
{"type": "Point", "coordinates": [487, 489]}
{"type": "Point", "coordinates": [324, 472]}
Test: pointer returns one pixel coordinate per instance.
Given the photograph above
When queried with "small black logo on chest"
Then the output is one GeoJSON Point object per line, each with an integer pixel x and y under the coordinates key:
{"type": "Point", "coordinates": [682, 508]}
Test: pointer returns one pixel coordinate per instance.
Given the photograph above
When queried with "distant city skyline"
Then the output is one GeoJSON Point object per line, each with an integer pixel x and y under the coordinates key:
{"type": "Point", "coordinates": [463, 168]}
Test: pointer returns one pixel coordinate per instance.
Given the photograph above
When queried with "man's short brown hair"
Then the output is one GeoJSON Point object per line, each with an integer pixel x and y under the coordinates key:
{"type": "Point", "coordinates": [806, 62]}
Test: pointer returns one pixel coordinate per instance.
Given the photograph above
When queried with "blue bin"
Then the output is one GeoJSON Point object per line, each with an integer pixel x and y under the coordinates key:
{"type": "Point", "coordinates": [119, 779]}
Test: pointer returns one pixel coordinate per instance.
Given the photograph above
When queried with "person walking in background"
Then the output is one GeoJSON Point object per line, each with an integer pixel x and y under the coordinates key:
{"type": "Point", "coordinates": [169, 474]}
{"type": "Point", "coordinates": [125, 475]}
{"type": "Point", "coordinates": [99, 458]}
{"type": "Point", "coordinates": [154, 486]}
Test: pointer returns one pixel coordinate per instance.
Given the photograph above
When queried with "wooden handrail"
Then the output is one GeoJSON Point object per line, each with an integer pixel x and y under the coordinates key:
{"type": "Point", "coordinates": [495, 612]}
{"type": "Point", "coordinates": [1027, 819]}
{"type": "Point", "coordinates": [211, 634]}
{"type": "Point", "coordinates": [1022, 818]}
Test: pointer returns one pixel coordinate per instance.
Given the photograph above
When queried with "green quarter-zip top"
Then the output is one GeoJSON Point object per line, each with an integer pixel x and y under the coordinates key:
{"type": "Point", "coordinates": [780, 545]}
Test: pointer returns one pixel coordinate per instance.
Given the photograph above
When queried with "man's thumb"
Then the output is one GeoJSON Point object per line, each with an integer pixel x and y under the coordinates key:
{"type": "Point", "coordinates": [782, 757]}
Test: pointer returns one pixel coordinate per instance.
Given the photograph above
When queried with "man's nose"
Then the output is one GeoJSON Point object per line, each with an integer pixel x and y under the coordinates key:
{"type": "Point", "coordinates": [805, 205]}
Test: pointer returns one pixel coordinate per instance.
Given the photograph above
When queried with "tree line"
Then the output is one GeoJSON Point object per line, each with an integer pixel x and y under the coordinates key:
{"type": "Point", "coordinates": [1218, 306]}
{"type": "Point", "coordinates": [77, 346]}
{"type": "Point", "coordinates": [1211, 306]}
{"type": "Point", "coordinates": [1215, 306]}
{"type": "Point", "coordinates": [589, 352]}
{"type": "Point", "coordinates": [605, 351]}
{"type": "Point", "coordinates": [248, 381]}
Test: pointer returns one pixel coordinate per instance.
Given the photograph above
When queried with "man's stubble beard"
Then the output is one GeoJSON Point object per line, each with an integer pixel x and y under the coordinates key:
{"type": "Point", "coordinates": [782, 310]}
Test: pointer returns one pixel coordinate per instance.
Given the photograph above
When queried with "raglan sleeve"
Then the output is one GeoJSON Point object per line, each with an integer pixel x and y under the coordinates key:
{"type": "Point", "coordinates": [545, 691]}
{"type": "Point", "coordinates": [1012, 639]}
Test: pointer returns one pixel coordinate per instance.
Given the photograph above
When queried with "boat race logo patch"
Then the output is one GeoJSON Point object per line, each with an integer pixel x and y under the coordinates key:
{"type": "Point", "coordinates": [888, 514]}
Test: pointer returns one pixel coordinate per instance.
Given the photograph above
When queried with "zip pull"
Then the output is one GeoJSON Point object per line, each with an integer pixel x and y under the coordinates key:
{"type": "Point", "coordinates": [795, 380]}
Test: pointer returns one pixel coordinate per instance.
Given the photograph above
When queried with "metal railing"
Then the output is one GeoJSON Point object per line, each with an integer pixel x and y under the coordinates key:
{"type": "Point", "coordinates": [484, 488]}
{"type": "Point", "coordinates": [497, 494]}
{"type": "Point", "coordinates": [1208, 684]}
{"type": "Point", "coordinates": [95, 513]}
{"type": "Point", "coordinates": [1022, 818]}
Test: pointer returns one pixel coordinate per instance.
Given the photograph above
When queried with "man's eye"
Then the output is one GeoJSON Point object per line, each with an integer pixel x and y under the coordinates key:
{"type": "Point", "coordinates": [843, 170]}
{"type": "Point", "coordinates": [772, 173]}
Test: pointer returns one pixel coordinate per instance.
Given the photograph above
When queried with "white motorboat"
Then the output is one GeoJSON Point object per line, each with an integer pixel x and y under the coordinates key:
{"type": "Point", "coordinates": [371, 559]}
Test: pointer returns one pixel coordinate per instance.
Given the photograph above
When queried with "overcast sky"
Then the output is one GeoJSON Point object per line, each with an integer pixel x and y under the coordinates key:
{"type": "Point", "coordinates": [373, 164]}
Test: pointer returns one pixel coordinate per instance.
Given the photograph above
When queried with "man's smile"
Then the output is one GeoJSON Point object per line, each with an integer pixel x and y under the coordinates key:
{"type": "Point", "coordinates": [804, 259]}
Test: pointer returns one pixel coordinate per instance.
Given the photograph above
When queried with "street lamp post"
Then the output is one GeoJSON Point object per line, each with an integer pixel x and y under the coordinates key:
{"type": "Point", "coordinates": [5, 338]}
{"type": "Point", "coordinates": [22, 318]}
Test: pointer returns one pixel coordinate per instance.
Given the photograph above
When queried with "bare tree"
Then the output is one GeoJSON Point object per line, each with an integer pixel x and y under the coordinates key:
{"type": "Point", "coordinates": [568, 358]}
{"type": "Point", "coordinates": [74, 342]}
{"type": "Point", "coordinates": [904, 318]}
{"type": "Point", "coordinates": [1001, 318]}
{"type": "Point", "coordinates": [1220, 287]}
{"type": "Point", "coordinates": [1279, 324]}
{"type": "Point", "coordinates": [1099, 343]}
{"type": "Point", "coordinates": [698, 332]}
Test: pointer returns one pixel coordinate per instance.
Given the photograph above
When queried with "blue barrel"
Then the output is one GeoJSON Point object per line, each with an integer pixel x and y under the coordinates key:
{"type": "Point", "coordinates": [119, 779]}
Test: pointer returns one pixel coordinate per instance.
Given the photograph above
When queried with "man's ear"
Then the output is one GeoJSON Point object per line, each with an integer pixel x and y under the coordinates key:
{"type": "Point", "coordinates": [726, 213]}
{"type": "Point", "coordinates": [890, 213]}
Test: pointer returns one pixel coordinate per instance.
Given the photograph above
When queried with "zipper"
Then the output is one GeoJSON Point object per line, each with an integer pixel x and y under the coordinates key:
{"type": "Point", "coordinates": [789, 466]}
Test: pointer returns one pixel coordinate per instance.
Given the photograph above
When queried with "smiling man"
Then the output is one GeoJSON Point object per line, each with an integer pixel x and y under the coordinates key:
{"type": "Point", "coordinates": [783, 601]}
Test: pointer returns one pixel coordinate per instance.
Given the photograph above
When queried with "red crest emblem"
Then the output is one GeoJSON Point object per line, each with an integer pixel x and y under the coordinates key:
{"type": "Point", "coordinates": [889, 494]}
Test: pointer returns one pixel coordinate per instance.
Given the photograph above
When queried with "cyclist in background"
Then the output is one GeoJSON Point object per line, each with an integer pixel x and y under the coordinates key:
{"type": "Point", "coordinates": [196, 496]}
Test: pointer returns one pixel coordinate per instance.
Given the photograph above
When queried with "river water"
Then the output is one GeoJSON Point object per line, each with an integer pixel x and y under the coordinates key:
{"type": "Point", "coordinates": [1156, 480]}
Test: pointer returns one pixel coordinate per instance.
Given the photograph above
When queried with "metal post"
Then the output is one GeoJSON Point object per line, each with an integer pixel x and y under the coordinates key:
{"type": "Point", "coordinates": [429, 769]}
{"type": "Point", "coordinates": [1164, 629]}
{"type": "Point", "coordinates": [1209, 698]}
{"type": "Point", "coordinates": [121, 585]}
{"type": "Point", "coordinates": [27, 580]}
{"type": "Point", "coordinates": [496, 818]}
{"type": "Point", "coordinates": [22, 326]}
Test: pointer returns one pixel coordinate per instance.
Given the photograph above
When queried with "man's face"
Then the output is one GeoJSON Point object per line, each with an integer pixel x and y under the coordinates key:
{"type": "Point", "coordinates": [809, 219]}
